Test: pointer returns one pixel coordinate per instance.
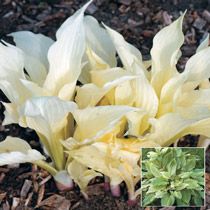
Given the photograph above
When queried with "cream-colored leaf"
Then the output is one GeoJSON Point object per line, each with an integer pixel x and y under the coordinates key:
{"type": "Point", "coordinates": [65, 55]}
{"type": "Point", "coordinates": [168, 128]}
{"type": "Point", "coordinates": [203, 142]}
{"type": "Point", "coordinates": [90, 94]}
{"type": "Point", "coordinates": [99, 41]}
{"type": "Point", "coordinates": [95, 159]}
{"type": "Point", "coordinates": [194, 104]}
{"type": "Point", "coordinates": [14, 150]}
{"type": "Point", "coordinates": [34, 89]}
{"type": "Point", "coordinates": [11, 61]}
{"type": "Point", "coordinates": [200, 127]}
{"type": "Point", "coordinates": [125, 94]}
{"type": "Point", "coordinates": [11, 93]}
{"type": "Point", "coordinates": [91, 61]}
{"type": "Point", "coordinates": [160, 78]}
{"type": "Point", "coordinates": [169, 89]}
{"type": "Point", "coordinates": [81, 174]}
{"type": "Point", "coordinates": [46, 115]}
{"type": "Point", "coordinates": [205, 84]}
{"type": "Point", "coordinates": [146, 97]}
{"type": "Point", "coordinates": [204, 44]}
{"type": "Point", "coordinates": [166, 46]}
{"type": "Point", "coordinates": [71, 19]}
{"type": "Point", "coordinates": [137, 123]}
{"type": "Point", "coordinates": [34, 45]}
{"type": "Point", "coordinates": [10, 114]}
{"type": "Point", "coordinates": [197, 67]}
{"type": "Point", "coordinates": [35, 48]}
{"type": "Point", "coordinates": [14, 90]}
{"type": "Point", "coordinates": [99, 119]}
{"type": "Point", "coordinates": [11, 71]}
{"type": "Point", "coordinates": [100, 78]}
{"type": "Point", "coordinates": [127, 53]}
{"type": "Point", "coordinates": [67, 92]}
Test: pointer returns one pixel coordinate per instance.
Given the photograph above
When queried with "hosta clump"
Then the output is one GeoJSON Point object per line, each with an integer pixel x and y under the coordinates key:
{"type": "Point", "coordinates": [173, 177]}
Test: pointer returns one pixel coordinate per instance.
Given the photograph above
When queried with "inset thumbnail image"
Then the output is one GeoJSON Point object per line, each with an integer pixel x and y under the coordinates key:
{"type": "Point", "coordinates": [173, 176]}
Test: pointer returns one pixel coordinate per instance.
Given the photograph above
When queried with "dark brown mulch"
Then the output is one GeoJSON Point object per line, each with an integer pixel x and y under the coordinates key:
{"type": "Point", "coordinates": [138, 20]}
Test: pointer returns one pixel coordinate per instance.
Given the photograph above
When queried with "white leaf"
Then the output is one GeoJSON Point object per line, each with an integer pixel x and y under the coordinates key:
{"type": "Point", "coordinates": [65, 55]}
{"type": "Point", "coordinates": [127, 52]}
{"type": "Point", "coordinates": [197, 67]}
{"type": "Point", "coordinates": [11, 61]}
{"type": "Point", "coordinates": [166, 46]}
{"type": "Point", "coordinates": [14, 150]}
{"type": "Point", "coordinates": [35, 48]}
{"type": "Point", "coordinates": [99, 41]}
{"type": "Point", "coordinates": [46, 114]}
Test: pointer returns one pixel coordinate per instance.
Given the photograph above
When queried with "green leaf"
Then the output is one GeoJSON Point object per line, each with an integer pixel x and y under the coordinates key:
{"type": "Point", "coordinates": [197, 173]}
{"type": "Point", "coordinates": [192, 184]}
{"type": "Point", "coordinates": [166, 158]}
{"type": "Point", "coordinates": [159, 181]}
{"type": "Point", "coordinates": [178, 152]}
{"type": "Point", "coordinates": [154, 189]}
{"type": "Point", "coordinates": [165, 174]}
{"type": "Point", "coordinates": [202, 194]}
{"type": "Point", "coordinates": [160, 194]}
{"type": "Point", "coordinates": [185, 175]}
{"type": "Point", "coordinates": [182, 161]}
{"type": "Point", "coordinates": [186, 196]}
{"type": "Point", "coordinates": [178, 194]}
{"type": "Point", "coordinates": [167, 200]}
{"type": "Point", "coordinates": [181, 186]}
{"type": "Point", "coordinates": [190, 164]}
{"type": "Point", "coordinates": [152, 155]}
{"type": "Point", "coordinates": [171, 167]}
{"type": "Point", "coordinates": [180, 202]}
{"type": "Point", "coordinates": [148, 199]}
{"type": "Point", "coordinates": [153, 169]}
{"type": "Point", "coordinates": [198, 201]}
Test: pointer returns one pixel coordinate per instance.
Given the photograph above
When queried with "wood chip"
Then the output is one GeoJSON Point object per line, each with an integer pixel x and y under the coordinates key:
{"type": "Point", "coordinates": [148, 33]}
{"type": "Point", "coordinates": [2, 176]}
{"type": "Point", "coordinates": [2, 196]}
{"type": "Point", "coordinates": [75, 205]}
{"type": "Point", "coordinates": [15, 203]}
{"type": "Point", "coordinates": [28, 199]}
{"type": "Point", "coordinates": [40, 194]}
{"type": "Point", "coordinates": [45, 180]}
{"type": "Point", "coordinates": [6, 206]}
{"type": "Point", "coordinates": [26, 187]}
{"type": "Point", "coordinates": [125, 2]}
{"type": "Point", "coordinates": [55, 202]}
{"type": "Point", "coordinates": [92, 9]}
{"type": "Point", "coordinates": [166, 18]}
{"type": "Point", "coordinates": [199, 23]}
{"type": "Point", "coordinates": [4, 170]}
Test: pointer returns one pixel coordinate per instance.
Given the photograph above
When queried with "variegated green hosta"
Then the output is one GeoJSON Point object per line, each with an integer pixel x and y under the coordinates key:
{"type": "Point", "coordinates": [173, 177]}
{"type": "Point", "coordinates": [121, 109]}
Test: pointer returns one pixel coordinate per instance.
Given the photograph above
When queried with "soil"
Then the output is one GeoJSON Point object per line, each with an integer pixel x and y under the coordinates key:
{"type": "Point", "coordinates": [28, 187]}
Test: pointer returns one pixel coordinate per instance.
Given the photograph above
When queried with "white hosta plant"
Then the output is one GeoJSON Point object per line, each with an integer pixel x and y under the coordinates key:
{"type": "Point", "coordinates": [118, 110]}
